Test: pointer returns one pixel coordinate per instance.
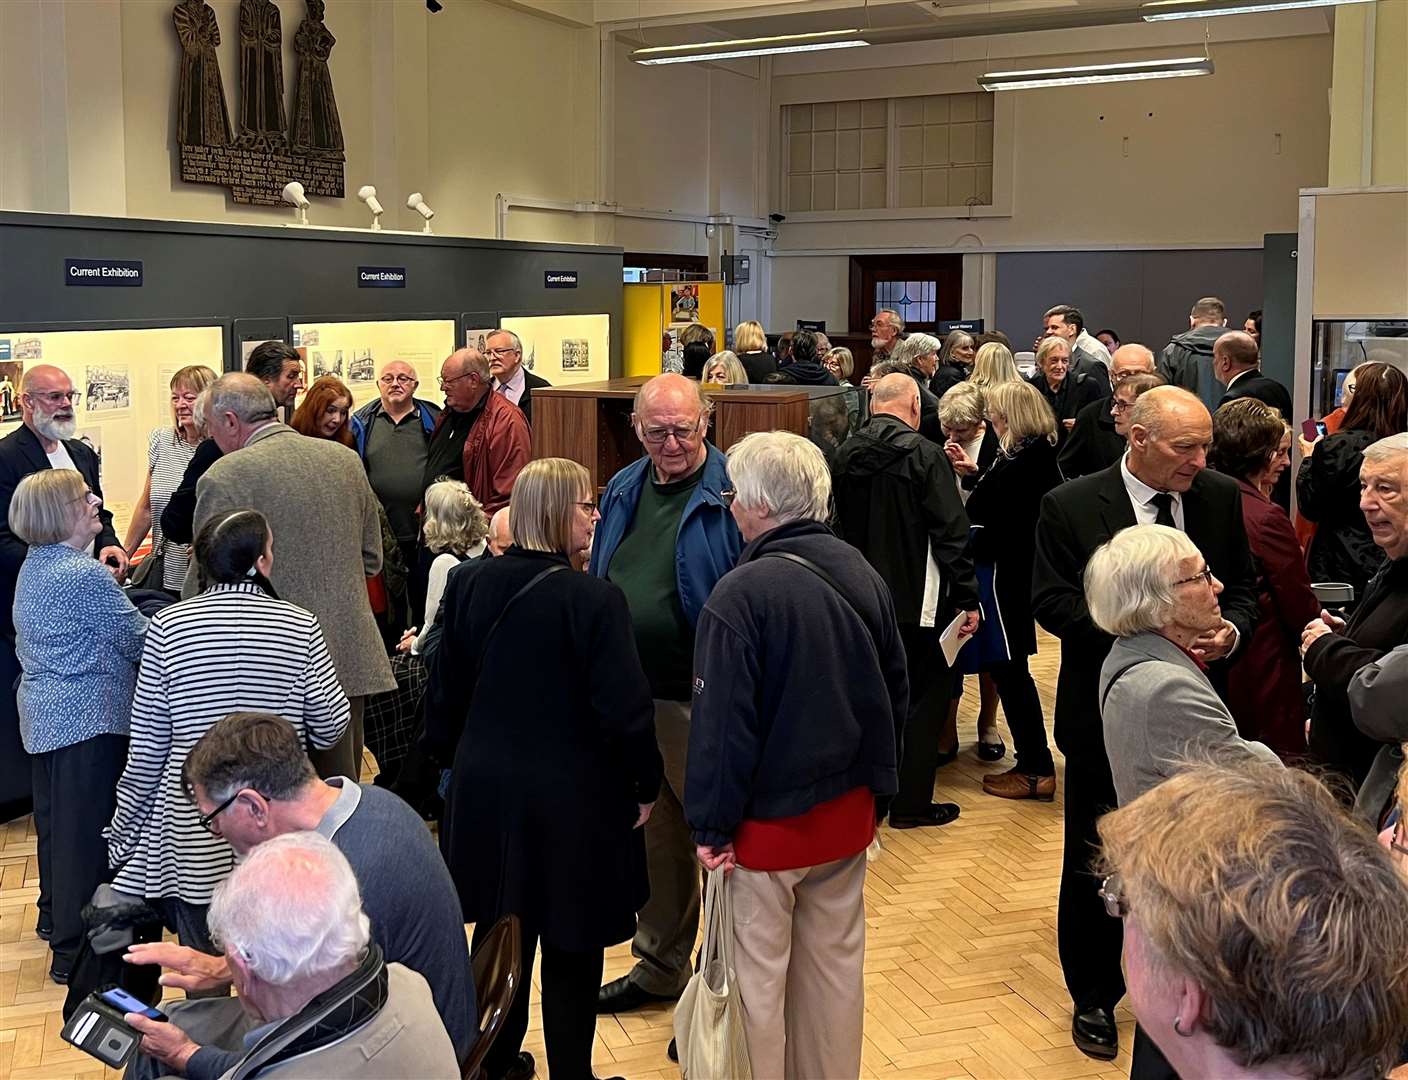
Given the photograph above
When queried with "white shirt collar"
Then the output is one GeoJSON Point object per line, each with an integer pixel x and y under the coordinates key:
{"type": "Point", "coordinates": [1140, 492]}
{"type": "Point", "coordinates": [1245, 371]}
{"type": "Point", "coordinates": [516, 381]}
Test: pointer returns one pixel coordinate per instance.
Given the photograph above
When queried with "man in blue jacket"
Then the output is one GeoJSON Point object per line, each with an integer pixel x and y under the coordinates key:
{"type": "Point", "coordinates": [393, 433]}
{"type": "Point", "coordinates": [666, 537]}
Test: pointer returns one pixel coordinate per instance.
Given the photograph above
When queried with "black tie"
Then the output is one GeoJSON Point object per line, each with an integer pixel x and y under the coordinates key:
{"type": "Point", "coordinates": [1164, 501]}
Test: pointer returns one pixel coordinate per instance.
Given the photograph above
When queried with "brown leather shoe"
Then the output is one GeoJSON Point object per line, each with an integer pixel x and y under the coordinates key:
{"type": "Point", "coordinates": [1018, 785]}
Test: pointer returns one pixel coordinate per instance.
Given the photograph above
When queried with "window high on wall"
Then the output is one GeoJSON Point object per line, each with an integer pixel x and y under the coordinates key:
{"type": "Point", "coordinates": [914, 300]}
{"type": "Point", "coordinates": [934, 151]}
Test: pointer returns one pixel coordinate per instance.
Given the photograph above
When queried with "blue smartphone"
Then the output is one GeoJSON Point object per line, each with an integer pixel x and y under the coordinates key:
{"type": "Point", "coordinates": [124, 1002]}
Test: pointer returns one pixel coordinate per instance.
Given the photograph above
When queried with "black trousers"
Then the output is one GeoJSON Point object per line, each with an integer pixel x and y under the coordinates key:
{"type": "Point", "coordinates": [570, 982]}
{"type": "Point", "coordinates": [75, 793]}
{"type": "Point", "coordinates": [1089, 939]}
{"type": "Point", "coordinates": [931, 687]}
{"type": "Point", "coordinates": [1021, 704]}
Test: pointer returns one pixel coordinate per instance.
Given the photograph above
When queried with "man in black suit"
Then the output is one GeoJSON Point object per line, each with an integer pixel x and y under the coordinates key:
{"type": "Point", "coordinates": [43, 441]}
{"type": "Point", "coordinates": [511, 378]}
{"type": "Point", "coordinates": [1093, 443]}
{"type": "Point", "coordinates": [1161, 480]}
{"type": "Point", "coordinates": [1236, 361]}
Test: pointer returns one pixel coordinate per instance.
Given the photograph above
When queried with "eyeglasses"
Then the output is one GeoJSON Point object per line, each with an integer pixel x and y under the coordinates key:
{"type": "Point", "coordinates": [494, 354]}
{"type": "Point", "coordinates": [728, 495]}
{"type": "Point", "coordinates": [1112, 892]}
{"type": "Point", "coordinates": [658, 436]}
{"type": "Point", "coordinates": [589, 505]}
{"type": "Point", "coordinates": [207, 820]}
{"type": "Point", "coordinates": [1116, 405]}
{"type": "Point", "coordinates": [1396, 843]}
{"type": "Point", "coordinates": [58, 397]}
{"type": "Point", "coordinates": [1205, 576]}
{"type": "Point", "coordinates": [387, 380]}
{"type": "Point", "coordinates": [446, 382]}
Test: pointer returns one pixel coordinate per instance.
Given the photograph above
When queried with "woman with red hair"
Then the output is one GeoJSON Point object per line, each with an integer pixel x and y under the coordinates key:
{"type": "Point", "coordinates": [326, 411]}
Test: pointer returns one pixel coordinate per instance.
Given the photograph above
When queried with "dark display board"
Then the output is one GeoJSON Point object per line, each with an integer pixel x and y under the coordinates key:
{"type": "Point", "coordinates": [1143, 295]}
{"type": "Point", "coordinates": [195, 271]}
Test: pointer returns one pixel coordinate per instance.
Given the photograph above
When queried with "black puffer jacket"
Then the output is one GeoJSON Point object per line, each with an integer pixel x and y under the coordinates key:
{"type": "Point", "coordinates": [1327, 488]}
{"type": "Point", "coordinates": [1187, 362]}
{"type": "Point", "coordinates": [897, 501]}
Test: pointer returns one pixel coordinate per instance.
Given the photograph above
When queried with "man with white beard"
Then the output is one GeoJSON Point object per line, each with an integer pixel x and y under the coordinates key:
{"type": "Point", "coordinates": [43, 441]}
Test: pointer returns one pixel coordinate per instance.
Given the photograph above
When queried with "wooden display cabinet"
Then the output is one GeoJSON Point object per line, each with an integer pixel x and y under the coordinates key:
{"type": "Point", "coordinates": [591, 422]}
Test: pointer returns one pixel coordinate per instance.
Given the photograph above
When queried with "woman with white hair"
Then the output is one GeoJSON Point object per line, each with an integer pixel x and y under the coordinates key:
{"type": "Point", "coordinates": [1150, 587]}
{"type": "Point", "coordinates": [789, 751]}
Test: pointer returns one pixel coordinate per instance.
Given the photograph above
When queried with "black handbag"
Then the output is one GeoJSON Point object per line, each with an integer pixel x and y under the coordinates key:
{"type": "Point", "coordinates": [114, 923]}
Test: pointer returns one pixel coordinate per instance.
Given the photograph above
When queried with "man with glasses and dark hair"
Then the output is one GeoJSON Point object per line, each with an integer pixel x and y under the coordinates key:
{"type": "Point", "coordinates": [392, 435]}
{"type": "Point", "coordinates": [666, 537]}
{"type": "Point", "coordinates": [481, 437]}
{"type": "Point", "coordinates": [44, 440]}
{"type": "Point", "coordinates": [511, 378]}
{"type": "Point", "coordinates": [252, 781]}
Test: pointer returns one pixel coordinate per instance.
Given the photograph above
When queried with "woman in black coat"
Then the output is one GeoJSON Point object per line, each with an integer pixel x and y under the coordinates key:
{"type": "Point", "coordinates": [1003, 510]}
{"type": "Point", "coordinates": [538, 697]}
{"type": "Point", "coordinates": [1327, 486]}
{"type": "Point", "coordinates": [1066, 391]}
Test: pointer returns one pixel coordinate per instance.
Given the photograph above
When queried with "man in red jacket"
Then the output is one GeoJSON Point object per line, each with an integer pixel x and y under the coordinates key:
{"type": "Point", "coordinates": [481, 437]}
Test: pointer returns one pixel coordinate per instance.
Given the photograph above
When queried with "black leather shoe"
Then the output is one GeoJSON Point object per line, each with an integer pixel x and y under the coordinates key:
{"type": "Point", "coordinates": [673, 1052]}
{"type": "Point", "coordinates": [1095, 1035]}
{"type": "Point", "coordinates": [992, 751]}
{"type": "Point", "coordinates": [622, 995]}
{"type": "Point", "coordinates": [522, 1068]}
{"type": "Point", "coordinates": [59, 976]}
{"type": "Point", "coordinates": [937, 814]}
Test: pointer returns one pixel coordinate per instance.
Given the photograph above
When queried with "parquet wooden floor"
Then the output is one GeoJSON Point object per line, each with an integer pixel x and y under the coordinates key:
{"type": "Point", "coordinates": [961, 972]}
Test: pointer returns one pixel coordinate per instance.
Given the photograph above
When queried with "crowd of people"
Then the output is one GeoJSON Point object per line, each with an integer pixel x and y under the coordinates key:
{"type": "Point", "coordinates": [736, 663]}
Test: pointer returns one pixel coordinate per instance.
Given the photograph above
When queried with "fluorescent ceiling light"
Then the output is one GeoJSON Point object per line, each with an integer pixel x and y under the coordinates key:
{"type": "Point", "coordinates": [1096, 73]}
{"type": "Point", "coordinates": [736, 47]}
{"type": "Point", "coordinates": [1188, 9]}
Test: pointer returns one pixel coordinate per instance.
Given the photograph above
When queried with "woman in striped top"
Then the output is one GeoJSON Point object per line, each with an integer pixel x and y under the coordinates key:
{"type": "Point", "coordinates": [235, 647]}
{"type": "Point", "coordinates": [169, 451]}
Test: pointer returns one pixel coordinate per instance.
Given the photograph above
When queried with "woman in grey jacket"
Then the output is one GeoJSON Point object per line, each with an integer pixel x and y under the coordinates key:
{"type": "Point", "coordinates": [1151, 588]}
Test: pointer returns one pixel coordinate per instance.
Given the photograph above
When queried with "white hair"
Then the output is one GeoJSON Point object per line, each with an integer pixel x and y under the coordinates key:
{"type": "Point", "coordinates": [1391, 447]}
{"type": "Point", "coordinates": [291, 909]}
{"type": "Point", "coordinates": [915, 346]}
{"type": "Point", "coordinates": [781, 473]}
{"type": "Point", "coordinates": [199, 414]}
{"type": "Point", "coordinates": [1129, 579]}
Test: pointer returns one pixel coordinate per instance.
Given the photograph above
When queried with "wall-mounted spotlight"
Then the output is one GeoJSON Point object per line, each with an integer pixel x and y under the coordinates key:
{"type": "Point", "coordinates": [416, 202]}
{"type": "Point", "coordinates": [367, 194]}
{"type": "Point", "coordinates": [293, 195]}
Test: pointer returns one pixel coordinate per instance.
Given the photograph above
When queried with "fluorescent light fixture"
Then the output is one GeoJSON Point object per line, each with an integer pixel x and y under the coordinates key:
{"type": "Point", "coordinates": [1189, 9]}
{"type": "Point", "coordinates": [742, 47]}
{"type": "Point", "coordinates": [1096, 73]}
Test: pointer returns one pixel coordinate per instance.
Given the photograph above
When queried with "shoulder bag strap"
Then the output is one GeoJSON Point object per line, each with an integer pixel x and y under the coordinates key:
{"type": "Point", "coordinates": [484, 648]}
{"type": "Point", "coordinates": [802, 560]}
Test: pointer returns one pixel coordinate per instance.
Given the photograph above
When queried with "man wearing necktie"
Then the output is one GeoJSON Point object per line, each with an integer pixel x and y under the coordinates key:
{"type": "Point", "coordinates": [1161, 480]}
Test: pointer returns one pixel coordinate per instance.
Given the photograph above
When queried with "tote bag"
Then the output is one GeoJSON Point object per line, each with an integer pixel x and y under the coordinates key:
{"type": "Point", "coordinates": [709, 1018]}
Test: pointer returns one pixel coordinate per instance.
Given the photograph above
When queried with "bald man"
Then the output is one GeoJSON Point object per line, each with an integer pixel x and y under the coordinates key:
{"type": "Point", "coordinates": [666, 537]}
{"type": "Point", "coordinates": [896, 500]}
{"type": "Point", "coordinates": [1093, 443]}
{"type": "Point", "coordinates": [1161, 479]}
{"type": "Point", "coordinates": [44, 440]}
{"type": "Point", "coordinates": [1236, 361]}
{"type": "Point", "coordinates": [481, 437]}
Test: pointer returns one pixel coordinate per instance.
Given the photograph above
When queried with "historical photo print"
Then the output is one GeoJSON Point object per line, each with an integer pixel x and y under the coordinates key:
{"type": "Point", "coordinates": [108, 388]}
{"type": "Point", "coordinates": [576, 354]}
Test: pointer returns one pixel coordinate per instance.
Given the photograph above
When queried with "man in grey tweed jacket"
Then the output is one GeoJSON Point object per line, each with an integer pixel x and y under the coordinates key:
{"type": "Point", "coordinates": [327, 537]}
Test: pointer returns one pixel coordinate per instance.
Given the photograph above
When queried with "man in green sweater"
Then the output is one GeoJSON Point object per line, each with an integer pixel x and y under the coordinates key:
{"type": "Point", "coordinates": [665, 537]}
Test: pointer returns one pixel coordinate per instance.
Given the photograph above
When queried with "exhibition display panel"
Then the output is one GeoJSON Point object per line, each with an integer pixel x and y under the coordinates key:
{"type": "Point", "coordinates": [123, 379]}
{"type": "Point", "coordinates": [355, 351]}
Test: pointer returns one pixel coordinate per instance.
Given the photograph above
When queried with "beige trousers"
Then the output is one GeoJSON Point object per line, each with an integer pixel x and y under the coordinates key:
{"type": "Point", "coordinates": [344, 757]}
{"type": "Point", "coordinates": [799, 950]}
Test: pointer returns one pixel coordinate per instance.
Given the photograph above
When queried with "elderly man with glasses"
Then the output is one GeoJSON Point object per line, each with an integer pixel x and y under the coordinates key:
{"type": "Point", "coordinates": [666, 537]}
{"type": "Point", "coordinates": [393, 436]}
{"type": "Point", "coordinates": [481, 437]}
{"type": "Point", "coordinates": [511, 378]}
{"type": "Point", "coordinates": [44, 440]}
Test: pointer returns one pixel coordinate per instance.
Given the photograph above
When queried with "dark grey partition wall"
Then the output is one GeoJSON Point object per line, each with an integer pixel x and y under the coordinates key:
{"type": "Point", "coordinates": [227, 272]}
{"type": "Point", "coordinates": [1143, 295]}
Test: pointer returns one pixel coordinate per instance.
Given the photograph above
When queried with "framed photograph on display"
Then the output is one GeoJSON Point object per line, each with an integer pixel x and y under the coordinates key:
{"type": "Point", "coordinates": [355, 352]}
{"type": "Point", "coordinates": [564, 349]}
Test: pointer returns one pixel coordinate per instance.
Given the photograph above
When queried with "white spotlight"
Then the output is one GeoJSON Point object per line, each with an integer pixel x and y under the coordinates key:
{"type": "Point", "coordinates": [416, 201]}
{"type": "Point", "coordinates": [293, 195]}
{"type": "Point", "coordinates": [367, 194]}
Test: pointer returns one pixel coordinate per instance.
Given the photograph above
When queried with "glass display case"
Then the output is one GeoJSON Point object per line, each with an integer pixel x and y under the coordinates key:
{"type": "Point", "coordinates": [833, 412]}
{"type": "Point", "coordinates": [1338, 346]}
